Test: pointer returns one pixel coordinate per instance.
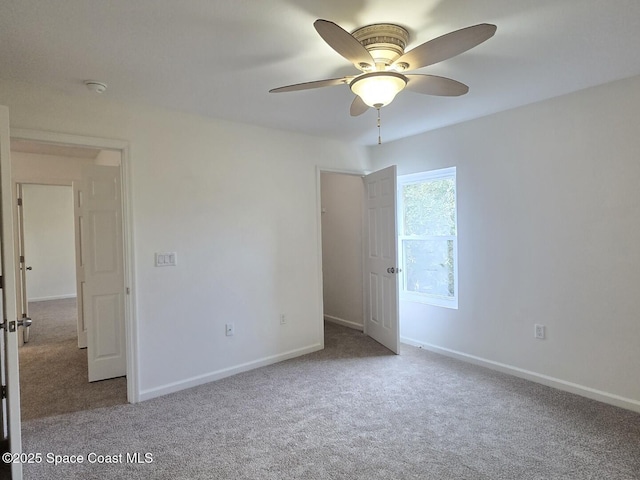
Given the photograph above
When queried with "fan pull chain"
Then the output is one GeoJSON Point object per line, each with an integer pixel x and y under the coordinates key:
{"type": "Point", "coordinates": [379, 137]}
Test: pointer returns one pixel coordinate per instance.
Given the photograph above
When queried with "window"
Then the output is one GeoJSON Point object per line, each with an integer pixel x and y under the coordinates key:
{"type": "Point", "coordinates": [428, 243]}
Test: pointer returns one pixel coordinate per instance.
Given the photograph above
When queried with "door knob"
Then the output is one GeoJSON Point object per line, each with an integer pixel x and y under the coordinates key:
{"type": "Point", "coordinates": [391, 270]}
{"type": "Point", "coordinates": [29, 268]}
{"type": "Point", "coordinates": [23, 322]}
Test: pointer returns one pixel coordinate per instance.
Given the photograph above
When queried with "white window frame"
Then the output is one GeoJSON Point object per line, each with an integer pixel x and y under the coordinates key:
{"type": "Point", "coordinates": [437, 300]}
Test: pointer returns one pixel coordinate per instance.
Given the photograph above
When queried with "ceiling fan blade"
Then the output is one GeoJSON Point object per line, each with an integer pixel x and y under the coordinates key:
{"type": "Point", "coordinates": [434, 85]}
{"type": "Point", "coordinates": [358, 107]}
{"type": "Point", "coordinates": [447, 46]}
{"type": "Point", "coordinates": [309, 85]}
{"type": "Point", "coordinates": [343, 42]}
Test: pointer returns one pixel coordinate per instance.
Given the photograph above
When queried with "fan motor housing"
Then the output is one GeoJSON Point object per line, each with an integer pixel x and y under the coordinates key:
{"type": "Point", "coordinates": [384, 41]}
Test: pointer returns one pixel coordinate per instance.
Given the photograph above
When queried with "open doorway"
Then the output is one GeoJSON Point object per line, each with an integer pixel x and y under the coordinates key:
{"type": "Point", "coordinates": [342, 249]}
{"type": "Point", "coordinates": [359, 253]}
{"type": "Point", "coordinates": [46, 231]}
{"type": "Point", "coordinates": [53, 369]}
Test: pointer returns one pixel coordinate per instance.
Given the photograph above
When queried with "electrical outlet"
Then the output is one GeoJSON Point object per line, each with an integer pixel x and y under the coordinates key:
{"type": "Point", "coordinates": [539, 331]}
{"type": "Point", "coordinates": [229, 329]}
{"type": "Point", "coordinates": [283, 319]}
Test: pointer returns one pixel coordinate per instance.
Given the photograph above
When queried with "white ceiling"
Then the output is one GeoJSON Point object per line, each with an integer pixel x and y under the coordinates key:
{"type": "Point", "coordinates": [219, 58]}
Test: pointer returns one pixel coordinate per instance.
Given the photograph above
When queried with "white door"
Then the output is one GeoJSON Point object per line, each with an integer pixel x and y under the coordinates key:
{"type": "Point", "coordinates": [10, 404]}
{"type": "Point", "coordinates": [77, 215]}
{"type": "Point", "coordinates": [381, 246]}
{"type": "Point", "coordinates": [101, 253]}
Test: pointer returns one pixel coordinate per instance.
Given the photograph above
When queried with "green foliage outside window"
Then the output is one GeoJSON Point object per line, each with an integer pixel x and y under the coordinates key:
{"type": "Point", "coordinates": [429, 223]}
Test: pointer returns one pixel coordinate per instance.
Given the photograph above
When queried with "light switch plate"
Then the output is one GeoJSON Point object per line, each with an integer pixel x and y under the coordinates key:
{"type": "Point", "coordinates": [166, 259]}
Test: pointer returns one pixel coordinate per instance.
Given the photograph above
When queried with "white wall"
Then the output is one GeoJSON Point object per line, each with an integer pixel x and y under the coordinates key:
{"type": "Point", "coordinates": [342, 248]}
{"type": "Point", "coordinates": [49, 241]}
{"type": "Point", "coordinates": [109, 158]}
{"type": "Point", "coordinates": [238, 205]}
{"type": "Point", "coordinates": [548, 204]}
{"type": "Point", "coordinates": [46, 169]}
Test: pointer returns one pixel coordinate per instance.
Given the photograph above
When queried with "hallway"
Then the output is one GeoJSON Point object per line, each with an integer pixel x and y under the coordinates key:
{"type": "Point", "coordinates": [53, 370]}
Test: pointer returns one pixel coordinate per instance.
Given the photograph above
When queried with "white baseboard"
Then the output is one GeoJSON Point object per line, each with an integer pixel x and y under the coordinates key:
{"type": "Point", "coordinates": [225, 372]}
{"type": "Point", "coordinates": [581, 390]}
{"type": "Point", "coordinates": [344, 323]}
{"type": "Point", "coordinates": [54, 297]}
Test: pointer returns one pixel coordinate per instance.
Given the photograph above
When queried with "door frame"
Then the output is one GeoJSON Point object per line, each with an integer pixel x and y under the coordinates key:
{"type": "Point", "coordinates": [15, 184]}
{"type": "Point", "coordinates": [131, 326]}
{"type": "Point", "coordinates": [319, 171]}
{"type": "Point", "coordinates": [11, 423]}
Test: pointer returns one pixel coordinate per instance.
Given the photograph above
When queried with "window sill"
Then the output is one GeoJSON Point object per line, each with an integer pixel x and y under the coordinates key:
{"type": "Point", "coordinates": [431, 301]}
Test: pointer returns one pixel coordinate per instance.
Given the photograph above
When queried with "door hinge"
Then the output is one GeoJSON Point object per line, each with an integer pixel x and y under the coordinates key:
{"type": "Point", "coordinates": [4, 391]}
{"type": "Point", "coordinates": [21, 258]}
{"type": "Point", "coordinates": [19, 202]}
{"type": "Point", "coordinates": [1, 282]}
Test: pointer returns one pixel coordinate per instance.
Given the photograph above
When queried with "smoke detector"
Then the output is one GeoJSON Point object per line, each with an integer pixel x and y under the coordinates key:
{"type": "Point", "coordinates": [96, 87]}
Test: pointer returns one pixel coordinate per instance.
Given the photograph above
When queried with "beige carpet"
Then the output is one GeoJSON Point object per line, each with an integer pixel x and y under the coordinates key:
{"type": "Point", "coordinates": [351, 411]}
{"type": "Point", "coordinates": [53, 370]}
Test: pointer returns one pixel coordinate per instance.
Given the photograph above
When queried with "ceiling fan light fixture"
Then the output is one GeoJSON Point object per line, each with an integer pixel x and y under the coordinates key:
{"type": "Point", "coordinates": [378, 89]}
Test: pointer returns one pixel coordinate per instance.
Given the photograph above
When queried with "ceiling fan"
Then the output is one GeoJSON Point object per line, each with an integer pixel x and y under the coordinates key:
{"type": "Point", "coordinates": [378, 52]}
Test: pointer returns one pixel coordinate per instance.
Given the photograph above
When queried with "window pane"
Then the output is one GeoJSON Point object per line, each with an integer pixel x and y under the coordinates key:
{"type": "Point", "coordinates": [428, 266]}
{"type": "Point", "coordinates": [430, 207]}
